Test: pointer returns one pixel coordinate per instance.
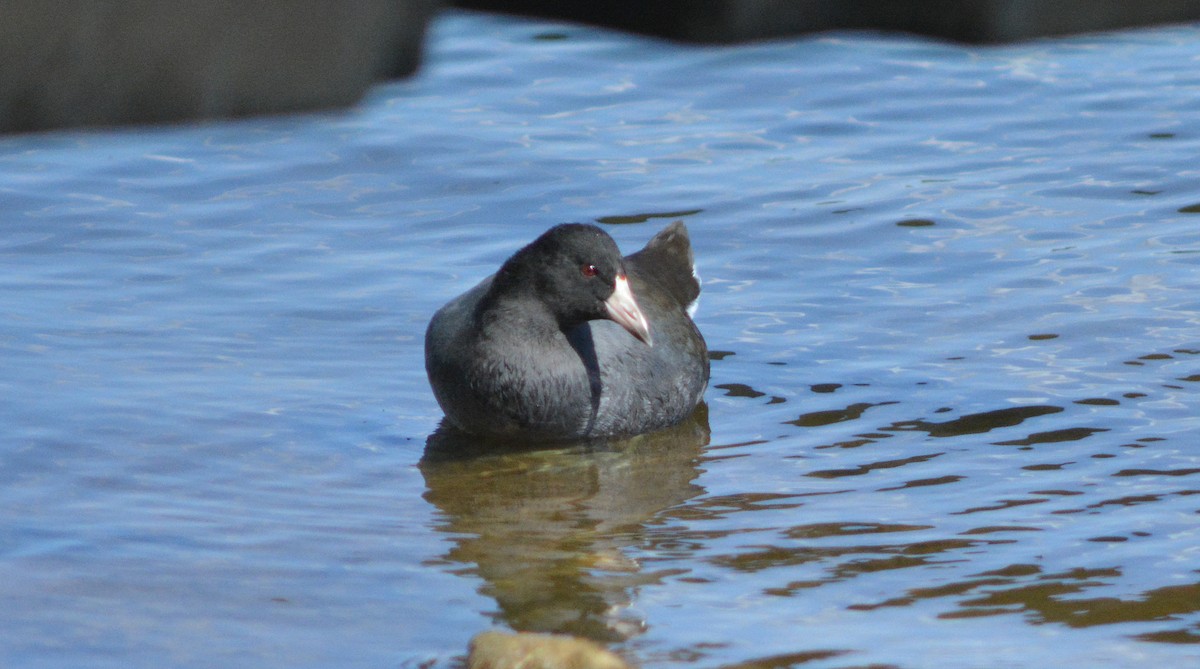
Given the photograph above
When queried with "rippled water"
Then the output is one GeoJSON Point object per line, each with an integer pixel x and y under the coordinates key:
{"type": "Point", "coordinates": [951, 294]}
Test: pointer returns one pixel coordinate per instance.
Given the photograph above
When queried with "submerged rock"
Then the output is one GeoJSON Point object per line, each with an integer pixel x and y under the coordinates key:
{"type": "Point", "coordinates": [498, 650]}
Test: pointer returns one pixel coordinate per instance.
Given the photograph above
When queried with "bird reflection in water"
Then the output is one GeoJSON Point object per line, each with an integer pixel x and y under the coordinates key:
{"type": "Point", "coordinates": [548, 529]}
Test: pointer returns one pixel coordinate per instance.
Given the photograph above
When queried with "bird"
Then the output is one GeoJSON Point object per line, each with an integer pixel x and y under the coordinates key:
{"type": "Point", "coordinates": [570, 341]}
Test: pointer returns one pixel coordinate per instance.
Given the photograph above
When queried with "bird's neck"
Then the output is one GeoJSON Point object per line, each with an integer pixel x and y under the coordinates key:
{"type": "Point", "coordinates": [511, 311]}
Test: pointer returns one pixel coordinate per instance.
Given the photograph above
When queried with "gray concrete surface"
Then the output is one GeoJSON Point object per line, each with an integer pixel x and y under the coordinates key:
{"type": "Point", "coordinates": [100, 62]}
{"type": "Point", "coordinates": [962, 20]}
{"type": "Point", "coordinates": [67, 63]}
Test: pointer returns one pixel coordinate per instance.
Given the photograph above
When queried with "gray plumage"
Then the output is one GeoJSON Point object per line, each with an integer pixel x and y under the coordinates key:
{"type": "Point", "coordinates": [538, 351]}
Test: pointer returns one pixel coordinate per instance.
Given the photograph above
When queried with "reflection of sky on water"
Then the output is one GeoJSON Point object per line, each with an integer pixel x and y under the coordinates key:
{"type": "Point", "coordinates": [951, 293]}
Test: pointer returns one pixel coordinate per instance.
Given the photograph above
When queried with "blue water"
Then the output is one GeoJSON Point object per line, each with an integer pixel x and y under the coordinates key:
{"type": "Point", "coordinates": [952, 294]}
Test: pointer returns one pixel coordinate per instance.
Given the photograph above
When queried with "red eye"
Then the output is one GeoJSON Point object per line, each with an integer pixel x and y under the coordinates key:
{"type": "Point", "coordinates": [589, 270]}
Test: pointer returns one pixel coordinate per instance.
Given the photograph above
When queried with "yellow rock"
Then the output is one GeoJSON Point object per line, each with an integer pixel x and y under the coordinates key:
{"type": "Point", "coordinates": [497, 650]}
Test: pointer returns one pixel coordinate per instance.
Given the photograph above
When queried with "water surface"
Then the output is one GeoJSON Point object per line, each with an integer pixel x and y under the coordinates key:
{"type": "Point", "coordinates": [951, 294]}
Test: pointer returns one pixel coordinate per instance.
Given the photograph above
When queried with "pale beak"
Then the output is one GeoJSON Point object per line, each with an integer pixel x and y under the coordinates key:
{"type": "Point", "coordinates": [623, 309]}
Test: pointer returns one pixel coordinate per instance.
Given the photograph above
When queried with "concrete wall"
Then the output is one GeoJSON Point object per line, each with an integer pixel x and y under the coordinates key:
{"type": "Point", "coordinates": [97, 62]}
{"type": "Point", "coordinates": [67, 63]}
{"type": "Point", "coordinates": [964, 20]}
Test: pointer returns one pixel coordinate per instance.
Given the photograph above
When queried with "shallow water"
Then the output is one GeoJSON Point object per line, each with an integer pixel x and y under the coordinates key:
{"type": "Point", "coordinates": [951, 294]}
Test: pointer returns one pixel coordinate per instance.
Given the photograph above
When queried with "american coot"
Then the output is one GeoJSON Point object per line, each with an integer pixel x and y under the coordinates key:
{"type": "Point", "coordinates": [571, 341]}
